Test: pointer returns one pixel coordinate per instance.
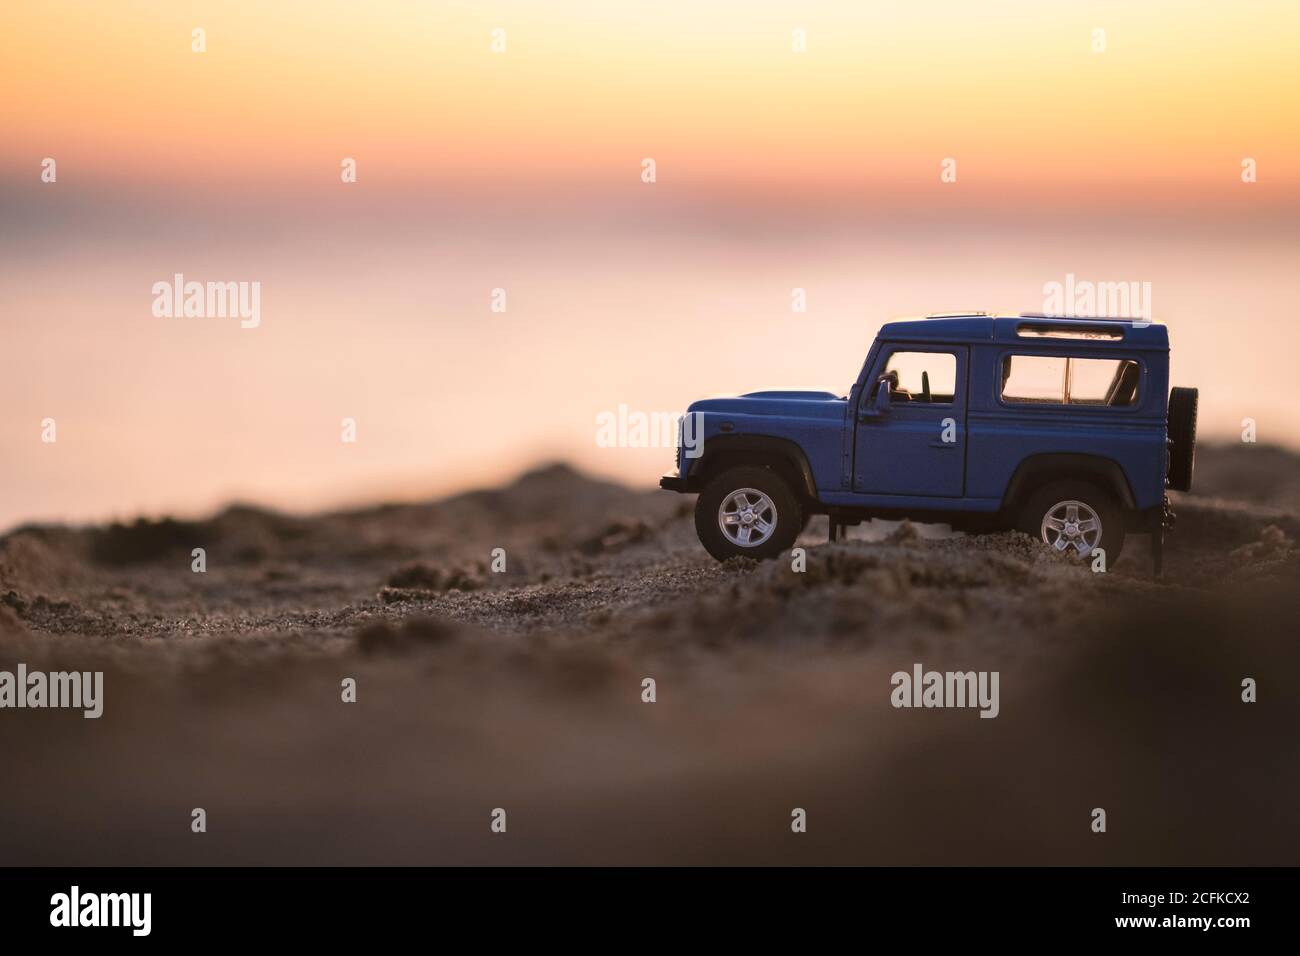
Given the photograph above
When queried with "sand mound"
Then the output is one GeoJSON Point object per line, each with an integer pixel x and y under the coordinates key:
{"type": "Point", "coordinates": [528, 688]}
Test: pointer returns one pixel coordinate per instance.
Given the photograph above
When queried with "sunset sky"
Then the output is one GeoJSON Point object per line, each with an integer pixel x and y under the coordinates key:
{"type": "Point", "coordinates": [521, 170]}
{"type": "Point", "coordinates": [1011, 89]}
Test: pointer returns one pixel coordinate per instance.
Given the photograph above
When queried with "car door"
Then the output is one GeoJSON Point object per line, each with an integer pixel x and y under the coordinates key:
{"type": "Point", "coordinates": [915, 442]}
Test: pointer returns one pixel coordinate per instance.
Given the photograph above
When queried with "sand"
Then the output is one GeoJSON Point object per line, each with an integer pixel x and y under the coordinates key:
{"type": "Point", "coordinates": [522, 690]}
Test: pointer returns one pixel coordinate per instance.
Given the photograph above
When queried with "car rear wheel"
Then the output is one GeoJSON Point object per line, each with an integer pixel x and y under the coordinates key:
{"type": "Point", "coordinates": [1074, 518]}
{"type": "Point", "coordinates": [747, 512]}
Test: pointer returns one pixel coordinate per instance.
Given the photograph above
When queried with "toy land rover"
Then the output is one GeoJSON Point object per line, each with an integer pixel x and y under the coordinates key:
{"type": "Point", "coordinates": [1065, 428]}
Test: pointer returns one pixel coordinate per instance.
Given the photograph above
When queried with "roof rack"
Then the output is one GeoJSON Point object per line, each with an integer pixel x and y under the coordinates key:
{"type": "Point", "coordinates": [959, 315]}
{"type": "Point", "coordinates": [1084, 318]}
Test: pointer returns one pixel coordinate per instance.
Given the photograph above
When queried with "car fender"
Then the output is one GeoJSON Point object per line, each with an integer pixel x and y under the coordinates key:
{"type": "Point", "coordinates": [758, 449]}
{"type": "Point", "coordinates": [1037, 469]}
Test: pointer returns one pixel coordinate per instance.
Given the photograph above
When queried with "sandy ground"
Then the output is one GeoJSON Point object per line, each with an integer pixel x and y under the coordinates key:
{"type": "Point", "coordinates": [522, 690]}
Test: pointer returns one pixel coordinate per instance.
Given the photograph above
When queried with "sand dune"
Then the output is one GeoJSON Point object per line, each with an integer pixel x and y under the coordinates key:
{"type": "Point", "coordinates": [522, 689]}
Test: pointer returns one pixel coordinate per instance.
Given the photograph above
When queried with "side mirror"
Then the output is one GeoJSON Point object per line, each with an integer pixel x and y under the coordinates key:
{"type": "Point", "coordinates": [882, 396]}
{"type": "Point", "coordinates": [878, 404]}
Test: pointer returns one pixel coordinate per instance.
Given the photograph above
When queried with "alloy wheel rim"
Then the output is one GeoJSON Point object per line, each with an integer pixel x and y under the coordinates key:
{"type": "Point", "coordinates": [747, 517]}
{"type": "Point", "coordinates": [1072, 525]}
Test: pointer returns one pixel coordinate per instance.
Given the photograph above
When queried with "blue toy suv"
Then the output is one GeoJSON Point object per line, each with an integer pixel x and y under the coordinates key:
{"type": "Point", "coordinates": [1065, 428]}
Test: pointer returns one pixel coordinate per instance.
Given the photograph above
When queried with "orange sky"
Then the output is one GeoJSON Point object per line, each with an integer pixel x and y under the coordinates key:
{"type": "Point", "coordinates": [1012, 90]}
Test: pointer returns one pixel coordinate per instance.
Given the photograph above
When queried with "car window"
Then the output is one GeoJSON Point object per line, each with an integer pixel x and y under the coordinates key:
{"type": "Point", "coordinates": [1057, 380]}
{"type": "Point", "coordinates": [924, 377]}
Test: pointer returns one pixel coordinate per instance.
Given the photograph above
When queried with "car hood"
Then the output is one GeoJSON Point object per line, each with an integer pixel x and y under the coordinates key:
{"type": "Point", "coordinates": [802, 402]}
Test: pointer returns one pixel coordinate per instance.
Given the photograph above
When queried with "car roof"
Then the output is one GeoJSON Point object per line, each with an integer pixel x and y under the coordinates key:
{"type": "Point", "coordinates": [1030, 328]}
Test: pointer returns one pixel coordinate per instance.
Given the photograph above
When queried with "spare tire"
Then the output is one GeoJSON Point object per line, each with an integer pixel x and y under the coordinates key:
{"type": "Point", "coordinates": [1182, 437]}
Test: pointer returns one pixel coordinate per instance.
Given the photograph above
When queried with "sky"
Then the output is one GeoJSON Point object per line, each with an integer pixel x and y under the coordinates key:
{"type": "Point", "coordinates": [1112, 156]}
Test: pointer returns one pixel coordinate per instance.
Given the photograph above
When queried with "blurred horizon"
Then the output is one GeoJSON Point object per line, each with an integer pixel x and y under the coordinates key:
{"type": "Point", "coordinates": [522, 170]}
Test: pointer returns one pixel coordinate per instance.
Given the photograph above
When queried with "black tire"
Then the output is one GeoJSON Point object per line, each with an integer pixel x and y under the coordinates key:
{"type": "Point", "coordinates": [1046, 499]}
{"type": "Point", "coordinates": [785, 512]}
{"type": "Point", "coordinates": [1182, 437]}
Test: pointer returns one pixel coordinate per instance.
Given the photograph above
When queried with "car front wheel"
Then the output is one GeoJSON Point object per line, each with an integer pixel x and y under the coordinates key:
{"type": "Point", "coordinates": [747, 512]}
